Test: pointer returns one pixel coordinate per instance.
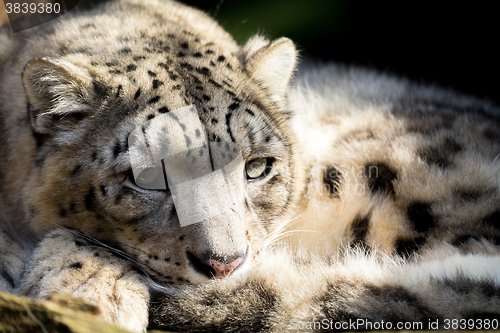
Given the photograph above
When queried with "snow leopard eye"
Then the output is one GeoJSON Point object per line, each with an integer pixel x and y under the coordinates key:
{"type": "Point", "coordinates": [151, 179]}
{"type": "Point", "coordinates": [147, 176]}
{"type": "Point", "coordinates": [258, 168]}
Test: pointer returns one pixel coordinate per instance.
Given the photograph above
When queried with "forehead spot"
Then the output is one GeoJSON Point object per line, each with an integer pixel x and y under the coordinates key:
{"type": "Point", "coordinates": [204, 71]}
{"type": "Point", "coordinates": [156, 84]}
{"type": "Point", "coordinates": [119, 91]}
{"type": "Point", "coordinates": [187, 66]}
{"type": "Point", "coordinates": [214, 83]}
{"type": "Point", "coordinates": [125, 50]}
{"type": "Point", "coordinates": [234, 106]}
{"type": "Point", "coordinates": [137, 93]}
{"type": "Point", "coordinates": [154, 100]}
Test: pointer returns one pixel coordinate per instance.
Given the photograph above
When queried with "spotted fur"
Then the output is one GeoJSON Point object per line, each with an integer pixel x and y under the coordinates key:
{"type": "Point", "coordinates": [398, 221]}
{"type": "Point", "coordinates": [380, 198]}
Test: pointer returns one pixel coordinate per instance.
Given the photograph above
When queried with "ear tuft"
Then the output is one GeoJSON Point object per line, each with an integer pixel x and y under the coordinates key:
{"type": "Point", "coordinates": [270, 63]}
{"type": "Point", "coordinates": [55, 88]}
{"type": "Point", "coordinates": [251, 47]}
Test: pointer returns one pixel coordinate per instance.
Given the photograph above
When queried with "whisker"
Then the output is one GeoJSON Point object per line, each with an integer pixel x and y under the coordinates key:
{"type": "Point", "coordinates": [103, 245]}
{"type": "Point", "coordinates": [275, 234]}
{"type": "Point", "coordinates": [150, 282]}
{"type": "Point", "coordinates": [285, 235]}
{"type": "Point", "coordinates": [281, 227]}
{"type": "Point", "coordinates": [288, 233]}
{"type": "Point", "coordinates": [139, 250]}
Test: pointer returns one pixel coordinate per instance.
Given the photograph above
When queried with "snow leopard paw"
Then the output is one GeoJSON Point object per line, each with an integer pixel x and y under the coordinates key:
{"type": "Point", "coordinates": [66, 263]}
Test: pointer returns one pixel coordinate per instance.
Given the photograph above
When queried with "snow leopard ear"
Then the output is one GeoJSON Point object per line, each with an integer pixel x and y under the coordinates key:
{"type": "Point", "coordinates": [58, 93]}
{"type": "Point", "coordinates": [270, 63]}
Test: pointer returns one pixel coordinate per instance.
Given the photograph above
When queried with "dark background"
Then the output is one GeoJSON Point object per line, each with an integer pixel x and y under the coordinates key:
{"type": "Point", "coordinates": [449, 45]}
{"type": "Point", "coordinates": [453, 46]}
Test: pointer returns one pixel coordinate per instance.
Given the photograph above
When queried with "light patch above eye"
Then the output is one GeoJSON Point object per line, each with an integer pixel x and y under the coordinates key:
{"type": "Point", "coordinates": [255, 168]}
{"type": "Point", "coordinates": [169, 150]}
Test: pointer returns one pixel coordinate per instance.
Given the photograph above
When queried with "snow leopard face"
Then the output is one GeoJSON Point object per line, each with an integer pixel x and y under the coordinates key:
{"type": "Point", "coordinates": [84, 102]}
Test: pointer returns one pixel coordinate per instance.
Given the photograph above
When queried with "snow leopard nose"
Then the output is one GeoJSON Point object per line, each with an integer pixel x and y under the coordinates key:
{"type": "Point", "coordinates": [221, 270]}
{"type": "Point", "coordinates": [215, 267]}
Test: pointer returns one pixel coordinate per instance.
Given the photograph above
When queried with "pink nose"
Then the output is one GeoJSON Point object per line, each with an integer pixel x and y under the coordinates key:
{"type": "Point", "coordinates": [221, 270]}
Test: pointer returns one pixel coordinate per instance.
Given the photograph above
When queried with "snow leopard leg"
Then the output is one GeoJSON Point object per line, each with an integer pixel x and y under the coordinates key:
{"type": "Point", "coordinates": [65, 262]}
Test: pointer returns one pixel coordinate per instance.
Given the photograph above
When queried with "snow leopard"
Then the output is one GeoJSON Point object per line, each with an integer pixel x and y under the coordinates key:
{"type": "Point", "coordinates": [366, 199]}
{"type": "Point", "coordinates": [397, 223]}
